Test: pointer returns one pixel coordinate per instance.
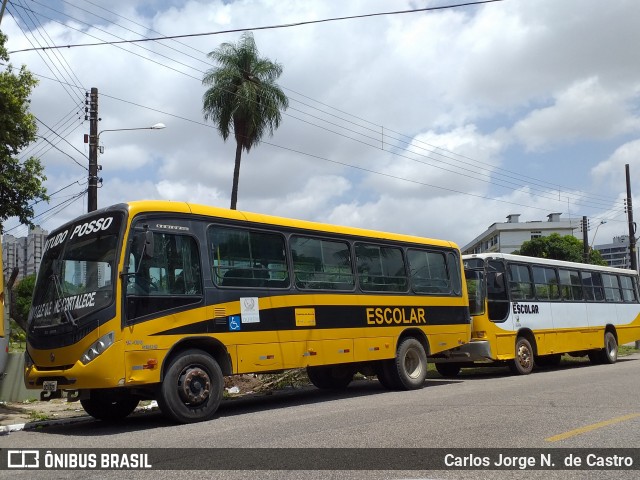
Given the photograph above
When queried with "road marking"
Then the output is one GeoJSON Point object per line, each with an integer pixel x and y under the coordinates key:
{"type": "Point", "coordinates": [589, 428]}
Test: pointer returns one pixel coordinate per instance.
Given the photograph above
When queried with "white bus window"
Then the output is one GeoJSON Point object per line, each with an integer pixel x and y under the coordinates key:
{"type": "Point", "coordinates": [520, 284]}
{"type": "Point", "coordinates": [546, 283]}
{"type": "Point", "coordinates": [592, 282]}
{"type": "Point", "coordinates": [628, 290]}
{"type": "Point", "coordinates": [611, 288]}
{"type": "Point", "coordinates": [570, 285]}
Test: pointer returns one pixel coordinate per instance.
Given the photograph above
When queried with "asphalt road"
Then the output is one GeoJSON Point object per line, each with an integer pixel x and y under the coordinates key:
{"type": "Point", "coordinates": [569, 408]}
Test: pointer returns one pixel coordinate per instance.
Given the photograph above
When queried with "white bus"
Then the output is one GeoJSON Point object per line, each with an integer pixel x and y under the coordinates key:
{"type": "Point", "coordinates": [527, 311]}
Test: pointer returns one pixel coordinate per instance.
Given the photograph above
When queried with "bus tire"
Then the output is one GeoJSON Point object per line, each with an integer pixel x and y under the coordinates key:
{"type": "Point", "coordinates": [609, 354]}
{"type": "Point", "coordinates": [191, 390]}
{"type": "Point", "coordinates": [448, 370]}
{"type": "Point", "coordinates": [332, 377]}
{"type": "Point", "coordinates": [523, 362]}
{"type": "Point", "coordinates": [384, 372]}
{"type": "Point", "coordinates": [409, 367]}
{"type": "Point", "coordinates": [109, 405]}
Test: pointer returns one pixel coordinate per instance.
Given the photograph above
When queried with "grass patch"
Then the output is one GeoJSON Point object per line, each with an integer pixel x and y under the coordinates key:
{"type": "Point", "coordinates": [38, 416]}
{"type": "Point", "coordinates": [624, 350]}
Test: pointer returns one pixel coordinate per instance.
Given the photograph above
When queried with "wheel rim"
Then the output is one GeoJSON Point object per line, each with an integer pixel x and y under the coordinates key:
{"type": "Point", "coordinates": [194, 385]}
{"type": "Point", "coordinates": [612, 349]}
{"type": "Point", "coordinates": [413, 364]}
{"type": "Point", "coordinates": [524, 356]}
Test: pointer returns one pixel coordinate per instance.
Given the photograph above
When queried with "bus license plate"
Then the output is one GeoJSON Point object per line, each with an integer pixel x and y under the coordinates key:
{"type": "Point", "coordinates": [50, 385]}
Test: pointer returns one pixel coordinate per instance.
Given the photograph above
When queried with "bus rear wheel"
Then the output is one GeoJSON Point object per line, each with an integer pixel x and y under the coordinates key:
{"type": "Point", "coordinates": [192, 387]}
{"type": "Point", "coordinates": [109, 405]}
{"type": "Point", "coordinates": [408, 370]}
{"type": "Point", "coordinates": [523, 362]}
{"type": "Point", "coordinates": [609, 354]}
{"type": "Point", "coordinates": [332, 377]}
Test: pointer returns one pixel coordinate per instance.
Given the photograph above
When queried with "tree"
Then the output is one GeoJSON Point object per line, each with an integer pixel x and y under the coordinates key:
{"type": "Point", "coordinates": [243, 97]}
{"type": "Point", "coordinates": [21, 299]}
{"type": "Point", "coordinates": [20, 182]}
{"type": "Point", "coordinates": [558, 247]}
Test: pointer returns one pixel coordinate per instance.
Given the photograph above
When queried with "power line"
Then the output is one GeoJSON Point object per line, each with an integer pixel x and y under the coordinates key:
{"type": "Point", "coordinates": [64, 139]}
{"type": "Point", "coordinates": [272, 27]}
{"type": "Point", "coordinates": [60, 150]}
{"type": "Point", "coordinates": [579, 203]}
{"type": "Point", "coordinates": [577, 197]}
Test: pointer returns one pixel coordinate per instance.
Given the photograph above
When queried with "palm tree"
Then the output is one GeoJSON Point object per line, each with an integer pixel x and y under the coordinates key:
{"type": "Point", "coordinates": [243, 97]}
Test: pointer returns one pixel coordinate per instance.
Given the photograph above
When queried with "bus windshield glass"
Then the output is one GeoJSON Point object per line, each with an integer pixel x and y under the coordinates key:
{"type": "Point", "coordinates": [77, 273]}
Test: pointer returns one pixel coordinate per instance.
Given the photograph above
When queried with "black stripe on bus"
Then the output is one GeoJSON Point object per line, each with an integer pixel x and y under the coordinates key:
{"type": "Point", "coordinates": [331, 317]}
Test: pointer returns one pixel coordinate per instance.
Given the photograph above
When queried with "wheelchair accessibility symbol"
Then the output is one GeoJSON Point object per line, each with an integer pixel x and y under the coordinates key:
{"type": "Point", "coordinates": [234, 323]}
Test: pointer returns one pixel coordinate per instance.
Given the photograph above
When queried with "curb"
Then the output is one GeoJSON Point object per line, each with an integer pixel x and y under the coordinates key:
{"type": "Point", "coordinates": [6, 429]}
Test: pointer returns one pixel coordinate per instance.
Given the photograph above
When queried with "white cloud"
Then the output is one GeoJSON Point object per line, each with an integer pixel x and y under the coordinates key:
{"type": "Point", "coordinates": [478, 82]}
{"type": "Point", "coordinates": [612, 170]}
{"type": "Point", "coordinates": [586, 110]}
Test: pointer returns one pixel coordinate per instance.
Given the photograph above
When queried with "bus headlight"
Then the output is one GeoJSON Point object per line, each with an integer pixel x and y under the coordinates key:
{"type": "Point", "coordinates": [97, 348]}
{"type": "Point", "coordinates": [28, 363]}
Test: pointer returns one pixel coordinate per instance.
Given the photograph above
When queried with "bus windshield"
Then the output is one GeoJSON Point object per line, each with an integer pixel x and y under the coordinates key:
{"type": "Point", "coordinates": [77, 273]}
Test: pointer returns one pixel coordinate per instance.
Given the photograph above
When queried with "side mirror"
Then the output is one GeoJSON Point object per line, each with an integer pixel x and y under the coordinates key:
{"type": "Point", "coordinates": [148, 249]}
{"type": "Point", "coordinates": [143, 245]}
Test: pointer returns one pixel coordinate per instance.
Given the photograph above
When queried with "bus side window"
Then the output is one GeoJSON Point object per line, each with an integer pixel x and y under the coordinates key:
{"type": "Point", "coordinates": [611, 288]}
{"type": "Point", "coordinates": [520, 284]}
{"type": "Point", "coordinates": [380, 268]}
{"type": "Point", "coordinates": [428, 272]}
{"type": "Point", "coordinates": [628, 290]}
{"type": "Point", "coordinates": [320, 264]}
{"type": "Point", "coordinates": [592, 282]}
{"type": "Point", "coordinates": [247, 258]}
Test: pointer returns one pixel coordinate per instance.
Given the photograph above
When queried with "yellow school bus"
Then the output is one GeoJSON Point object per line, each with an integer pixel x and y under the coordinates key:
{"type": "Point", "coordinates": [160, 300]}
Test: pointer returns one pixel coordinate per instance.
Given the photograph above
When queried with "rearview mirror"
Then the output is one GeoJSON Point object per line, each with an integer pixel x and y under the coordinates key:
{"type": "Point", "coordinates": [144, 246]}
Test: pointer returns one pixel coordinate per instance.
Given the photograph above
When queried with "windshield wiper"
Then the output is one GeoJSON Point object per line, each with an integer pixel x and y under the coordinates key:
{"type": "Point", "coordinates": [59, 295]}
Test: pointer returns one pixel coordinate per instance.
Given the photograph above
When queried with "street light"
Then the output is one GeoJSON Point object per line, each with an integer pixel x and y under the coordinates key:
{"type": "Point", "coordinates": [94, 140]}
{"type": "Point", "coordinates": [593, 240]}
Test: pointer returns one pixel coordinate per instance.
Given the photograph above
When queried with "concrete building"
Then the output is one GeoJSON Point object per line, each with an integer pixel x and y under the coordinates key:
{"type": "Point", "coordinates": [616, 253]}
{"type": "Point", "coordinates": [509, 236]}
{"type": "Point", "coordinates": [24, 252]}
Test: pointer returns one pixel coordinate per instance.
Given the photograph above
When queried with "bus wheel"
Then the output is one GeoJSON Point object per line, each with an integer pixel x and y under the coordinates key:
{"type": "Point", "coordinates": [384, 372]}
{"type": "Point", "coordinates": [333, 377]}
{"type": "Point", "coordinates": [609, 354]}
{"type": "Point", "coordinates": [109, 405]}
{"type": "Point", "coordinates": [449, 370]}
{"type": "Point", "coordinates": [522, 364]}
{"type": "Point", "coordinates": [192, 387]}
{"type": "Point", "coordinates": [410, 365]}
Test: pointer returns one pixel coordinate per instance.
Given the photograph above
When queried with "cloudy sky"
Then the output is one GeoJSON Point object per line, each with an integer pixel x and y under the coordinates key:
{"type": "Point", "coordinates": [435, 123]}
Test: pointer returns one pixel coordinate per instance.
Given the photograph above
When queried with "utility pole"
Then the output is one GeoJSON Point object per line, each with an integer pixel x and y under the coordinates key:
{"type": "Point", "coordinates": [632, 226]}
{"type": "Point", "coordinates": [585, 238]}
{"type": "Point", "coordinates": [92, 110]}
{"type": "Point", "coordinates": [4, 4]}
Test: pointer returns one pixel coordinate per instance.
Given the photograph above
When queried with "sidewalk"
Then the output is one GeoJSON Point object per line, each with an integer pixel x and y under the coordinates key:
{"type": "Point", "coordinates": [30, 415]}
{"type": "Point", "coordinates": [26, 415]}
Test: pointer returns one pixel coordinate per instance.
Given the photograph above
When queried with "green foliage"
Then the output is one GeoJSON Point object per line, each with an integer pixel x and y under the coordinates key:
{"type": "Point", "coordinates": [243, 97]}
{"type": "Point", "coordinates": [18, 336]}
{"type": "Point", "coordinates": [22, 294]}
{"type": "Point", "coordinates": [557, 247]}
{"type": "Point", "coordinates": [20, 182]}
